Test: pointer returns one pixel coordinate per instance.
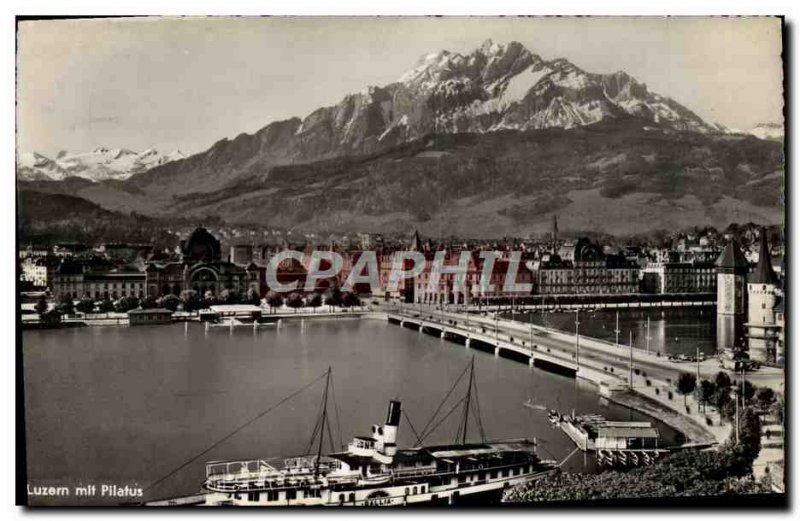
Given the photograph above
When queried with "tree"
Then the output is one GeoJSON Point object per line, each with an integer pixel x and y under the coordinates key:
{"type": "Point", "coordinates": [253, 297]}
{"type": "Point", "coordinates": [41, 306]}
{"type": "Point", "coordinates": [315, 301]}
{"type": "Point", "coordinates": [749, 434]}
{"type": "Point", "coordinates": [151, 302]}
{"type": "Point", "coordinates": [85, 305]}
{"type": "Point", "coordinates": [65, 305]}
{"type": "Point", "coordinates": [728, 410]}
{"type": "Point", "coordinates": [191, 300]}
{"type": "Point", "coordinates": [705, 393]}
{"type": "Point", "coordinates": [51, 318]}
{"type": "Point", "coordinates": [723, 381]}
{"type": "Point", "coordinates": [749, 392]}
{"type": "Point", "coordinates": [765, 398]}
{"type": "Point", "coordinates": [274, 300]}
{"type": "Point", "coordinates": [105, 306]}
{"type": "Point", "coordinates": [333, 297]}
{"type": "Point", "coordinates": [228, 296]}
{"type": "Point", "coordinates": [295, 300]}
{"type": "Point", "coordinates": [126, 304]}
{"type": "Point", "coordinates": [686, 384]}
{"type": "Point", "coordinates": [170, 302]}
{"type": "Point", "coordinates": [722, 397]}
{"type": "Point", "coordinates": [350, 300]}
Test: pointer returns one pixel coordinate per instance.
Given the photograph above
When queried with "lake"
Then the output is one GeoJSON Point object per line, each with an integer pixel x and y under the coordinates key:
{"type": "Point", "coordinates": [128, 405]}
{"type": "Point", "coordinates": [673, 331]}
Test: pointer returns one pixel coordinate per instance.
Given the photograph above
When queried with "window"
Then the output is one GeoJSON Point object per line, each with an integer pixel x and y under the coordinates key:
{"type": "Point", "coordinates": [272, 495]}
{"type": "Point", "coordinates": [252, 496]}
{"type": "Point", "coordinates": [291, 494]}
{"type": "Point", "coordinates": [414, 490]}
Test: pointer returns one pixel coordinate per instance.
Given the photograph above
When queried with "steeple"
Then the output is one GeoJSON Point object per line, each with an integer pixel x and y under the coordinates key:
{"type": "Point", "coordinates": [732, 259]}
{"type": "Point", "coordinates": [555, 233]}
{"type": "Point", "coordinates": [416, 242]}
{"type": "Point", "coordinates": [764, 274]}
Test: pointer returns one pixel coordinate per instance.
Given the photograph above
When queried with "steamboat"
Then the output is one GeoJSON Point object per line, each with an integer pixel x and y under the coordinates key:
{"type": "Point", "coordinates": [372, 471]}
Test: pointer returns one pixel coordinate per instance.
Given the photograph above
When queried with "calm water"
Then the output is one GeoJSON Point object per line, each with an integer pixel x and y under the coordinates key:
{"type": "Point", "coordinates": [126, 406]}
{"type": "Point", "coordinates": [672, 332]}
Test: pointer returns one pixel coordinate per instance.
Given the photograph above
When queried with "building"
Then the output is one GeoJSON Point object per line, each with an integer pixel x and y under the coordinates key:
{"type": "Point", "coordinates": [201, 269]}
{"type": "Point", "coordinates": [585, 270]}
{"type": "Point", "coordinates": [241, 254]}
{"type": "Point", "coordinates": [674, 276]}
{"type": "Point", "coordinates": [762, 299]}
{"type": "Point", "coordinates": [732, 268]}
{"type": "Point", "coordinates": [149, 317]}
{"type": "Point", "coordinates": [81, 280]}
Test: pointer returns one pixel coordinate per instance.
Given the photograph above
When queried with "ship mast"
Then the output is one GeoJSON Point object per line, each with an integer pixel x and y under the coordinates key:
{"type": "Point", "coordinates": [324, 418]}
{"type": "Point", "coordinates": [467, 402]}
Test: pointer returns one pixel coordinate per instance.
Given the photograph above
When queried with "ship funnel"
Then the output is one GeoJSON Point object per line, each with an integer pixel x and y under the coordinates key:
{"type": "Point", "coordinates": [393, 415]}
{"type": "Point", "coordinates": [390, 428]}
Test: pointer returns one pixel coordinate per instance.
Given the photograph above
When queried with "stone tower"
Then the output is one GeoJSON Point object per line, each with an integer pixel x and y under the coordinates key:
{"type": "Point", "coordinates": [762, 298]}
{"type": "Point", "coordinates": [732, 268]}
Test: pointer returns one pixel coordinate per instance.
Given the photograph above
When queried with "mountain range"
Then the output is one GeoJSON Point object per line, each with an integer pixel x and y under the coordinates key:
{"type": "Point", "coordinates": [493, 141]}
{"type": "Point", "coordinates": [101, 164]}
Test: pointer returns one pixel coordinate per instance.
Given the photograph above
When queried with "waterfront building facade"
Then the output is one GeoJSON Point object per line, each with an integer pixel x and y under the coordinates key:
{"type": "Point", "coordinates": [79, 280]}
{"type": "Point", "coordinates": [585, 270]}
{"type": "Point", "coordinates": [674, 276]}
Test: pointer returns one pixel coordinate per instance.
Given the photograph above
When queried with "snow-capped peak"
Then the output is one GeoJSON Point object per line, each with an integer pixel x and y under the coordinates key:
{"type": "Point", "coordinates": [102, 163]}
{"type": "Point", "coordinates": [772, 131]}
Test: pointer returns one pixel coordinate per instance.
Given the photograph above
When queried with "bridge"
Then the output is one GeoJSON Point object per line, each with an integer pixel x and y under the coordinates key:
{"type": "Point", "coordinates": [603, 363]}
{"type": "Point", "coordinates": [474, 333]}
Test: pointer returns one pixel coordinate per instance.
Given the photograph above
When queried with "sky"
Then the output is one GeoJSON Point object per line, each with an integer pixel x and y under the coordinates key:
{"type": "Point", "coordinates": [185, 83]}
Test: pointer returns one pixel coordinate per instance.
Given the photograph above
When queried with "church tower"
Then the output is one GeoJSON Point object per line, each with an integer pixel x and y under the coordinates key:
{"type": "Point", "coordinates": [732, 268]}
{"type": "Point", "coordinates": [762, 297]}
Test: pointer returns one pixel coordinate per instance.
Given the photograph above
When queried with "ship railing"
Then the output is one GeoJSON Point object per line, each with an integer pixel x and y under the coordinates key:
{"type": "Point", "coordinates": [412, 473]}
{"type": "Point", "coordinates": [260, 471]}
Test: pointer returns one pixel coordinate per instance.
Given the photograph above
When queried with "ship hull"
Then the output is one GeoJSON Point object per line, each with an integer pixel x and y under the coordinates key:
{"type": "Point", "coordinates": [452, 493]}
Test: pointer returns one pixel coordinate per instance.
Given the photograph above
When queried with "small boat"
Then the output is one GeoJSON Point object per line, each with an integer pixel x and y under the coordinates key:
{"type": "Point", "coordinates": [554, 417]}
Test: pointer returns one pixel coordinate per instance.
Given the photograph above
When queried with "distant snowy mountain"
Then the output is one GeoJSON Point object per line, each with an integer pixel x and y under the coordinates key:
{"type": "Point", "coordinates": [772, 131]}
{"type": "Point", "coordinates": [496, 87]}
{"type": "Point", "coordinates": [98, 165]}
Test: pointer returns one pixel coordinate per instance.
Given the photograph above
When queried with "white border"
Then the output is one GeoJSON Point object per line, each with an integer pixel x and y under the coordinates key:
{"type": "Point", "coordinates": [341, 8]}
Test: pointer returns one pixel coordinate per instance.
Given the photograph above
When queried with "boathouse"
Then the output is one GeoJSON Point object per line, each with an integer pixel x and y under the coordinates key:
{"type": "Point", "coordinates": [145, 317]}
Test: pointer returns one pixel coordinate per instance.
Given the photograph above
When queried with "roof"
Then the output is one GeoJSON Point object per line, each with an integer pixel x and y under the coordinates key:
{"type": "Point", "coordinates": [763, 274]}
{"type": "Point", "coordinates": [157, 311]}
{"type": "Point", "coordinates": [234, 308]}
{"type": "Point", "coordinates": [626, 432]}
{"type": "Point", "coordinates": [731, 257]}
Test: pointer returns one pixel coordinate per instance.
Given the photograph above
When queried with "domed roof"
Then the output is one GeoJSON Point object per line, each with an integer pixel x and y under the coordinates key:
{"type": "Point", "coordinates": [202, 246]}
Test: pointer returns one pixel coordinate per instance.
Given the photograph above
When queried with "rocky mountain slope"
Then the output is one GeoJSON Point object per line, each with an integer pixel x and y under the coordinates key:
{"type": "Point", "coordinates": [98, 165]}
{"type": "Point", "coordinates": [496, 87]}
{"type": "Point", "coordinates": [489, 143]}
